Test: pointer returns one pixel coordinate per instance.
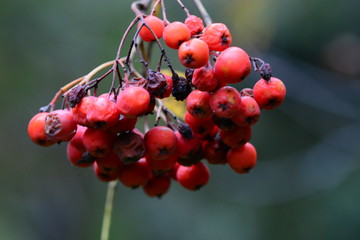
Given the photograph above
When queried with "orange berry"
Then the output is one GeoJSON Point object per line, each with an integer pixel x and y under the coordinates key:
{"type": "Point", "coordinates": [175, 34]}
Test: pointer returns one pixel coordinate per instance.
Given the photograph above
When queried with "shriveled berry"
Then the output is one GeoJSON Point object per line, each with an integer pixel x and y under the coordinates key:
{"type": "Point", "coordinates": [181, 87]}
{"type": "Point", "coordinates": [60, 126]}
{"type": "Point", "coordinates": [217, 36]}
{"type": "Point", "coordinates": [157, 84]}
{"type": "Point", "coordinates": [36, 130]}
{"type": "Point", "coordinates": [129, 146]}
{"type": "Point", "coordinates": [195, 24]}
{"type": "Point", "coordinates": [204, 79]}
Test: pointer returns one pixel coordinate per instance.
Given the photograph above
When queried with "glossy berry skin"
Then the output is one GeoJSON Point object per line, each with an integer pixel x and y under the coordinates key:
{"type": "Point", "coordinates": [232, 65]}
{"type": "Point", "coordinates": [99, 143]}
{"type": "Point", "coordinates": [175, 34]}
{"type": "Point", "coordinates": [36, 130]}
{"type": "Point", "coordinates": [187, 147]}
{"type": "Point", "coordinates": [202, 126]}
{"type": "Point", "coordinates": [193, 177]}
{"type": "Point", "coordinates": [156, 25]}
{"type": "Point", "coordinates": [249, 112]}
{"type": "Point", "coordinates": [81, 109]}
{"type": "Point", "coordinates": [77, 140]}
{"type": "Point", "coordinates": [103, 113]}
{"type": "Point", "coordinates": [110, 164]}
{"type": "Point", "coordinates": [225, 102]}
{"type": "Point", "coordinates": [78, 157]}
{"type": "Point", "coordinates": [217, 36]}
{"type": "Point", "coordinates": [197, 104]}
{"type": "Point", "coordinates": [269, 94]}
{"type": "Point", "coordinates": [204, 80]}
{"type": "Point", "coordinates": [193, 53]}
{"type": "Point", "coordinates": [161, 165]}
{"type": "Point", "coordinates": [237, 136]}
{"type": "Point", "coordinates": [157, 186]}
{"type": "Point", "coordinates": [215, 151]}
{"type": "Point", "coordinates": [160, 142]}
{"type": "Point", "coordinates": [124, 124]}
{"type": "Point", "coordinates": [242, 159]}
{"type": "Point", "coordinates": [195, 24]}
{"type": "Point", "coordinates": [60, 126]}
{"type": "Point", "coordinates": [135, 174]}
{"type": "Point", "coordinates": [133, 101]}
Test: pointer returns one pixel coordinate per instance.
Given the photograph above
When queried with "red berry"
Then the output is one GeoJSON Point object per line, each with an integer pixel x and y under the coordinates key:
{"type": "Point", "coordinates": [225, 102]}
{"type": "Point", "coordinates": [187, 147]}
{"type": "Point", "coordinates": [129, 146]}
{"type": "Point", "coordinates": [175, 34]}
{"type": "Point", "coordinates": [203, 79]}
{"type": "Point", "coordinates": [103, 113]}
{"type": "Point", "coordinates": [232, 65]}
{"type": "Point", "coordinates": [202, 126]}
{"type": "Point", "coordinates": [215, 151]}
{"type": "Point", "coordinates": [160, 142]}
{"type": "Point", "coordinates": [217, 36]}
{"type": "Point", "coordinates": [36, 130]}
{"type": "Point", "coordinates": [195, 24]}
{"type": "Point", "coordinates": [269, 94]}
{"type": "Point", "coordinates": [135, 174]}
{"type": "Point", "coordinates": [193, 177]}
{"type": "Point", "coordinates": [111, 164]}
{"type": "Point", "coordinates": [99, 143]}
{"type": "Point", "coordinates": [194, 53]}
{"type": "Point", "coordinates": [133, 101]}
{"type": "Point", "coordinates": [124, 124]}
{"type": "Point", "coordinates": [197, 104]}
{"type": "Point", "coordinates": [161, 165]}
{"type": "Point", "coordinates": [242, 159]}
{"type": "Point", "coordinates": [60, 126]}
{"type": "Point", "coordinates": [78, 157]}
{"type": "Point", "coordinates": [81, 109]}
{"type": "Point", "coordinates": [156, 25]}
{"type": "Point", "coordinates": [249, 112]}
{"type": "Point", "coordinates": [237, 136]}
{"type": "Point", "coordinates": [157, 186]}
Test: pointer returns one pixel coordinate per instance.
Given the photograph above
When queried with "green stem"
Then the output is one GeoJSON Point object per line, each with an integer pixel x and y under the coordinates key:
{"type": "Point", "coordinates": [105, 230]}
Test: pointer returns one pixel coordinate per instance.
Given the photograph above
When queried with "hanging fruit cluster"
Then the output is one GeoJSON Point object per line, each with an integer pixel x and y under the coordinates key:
{"type": "Point", "coordinates": [101, 129]}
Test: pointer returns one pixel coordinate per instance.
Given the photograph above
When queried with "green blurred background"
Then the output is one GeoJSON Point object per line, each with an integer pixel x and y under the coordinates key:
{"type": "Point", "coordinates": [306, 183]}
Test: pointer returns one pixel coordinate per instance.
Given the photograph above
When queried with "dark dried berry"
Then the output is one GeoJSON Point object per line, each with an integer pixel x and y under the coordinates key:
{"type": "Point", "coordinates": [185, 130]}
{"type": "Point", "coordinates": [157, 84]}
{"type": "Point", "coordinates": [129, 147]}
{"type": "Point", "coordinates": [181, 87]}
{"type": "Point", "coordinates": [265, 71]}
{"type": "Point", "coordinates": [189, 74]}
{"type": "Point", "coordinates": [75, 95]}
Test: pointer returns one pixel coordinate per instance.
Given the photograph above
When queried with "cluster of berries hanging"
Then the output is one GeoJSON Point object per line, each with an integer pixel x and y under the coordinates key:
{"type": "Point", "coordinates": [101, 130]}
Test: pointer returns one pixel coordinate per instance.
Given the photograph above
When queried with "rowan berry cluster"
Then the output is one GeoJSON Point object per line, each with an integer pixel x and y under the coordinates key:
{"type": "Point", "coordinates": [102, 132]}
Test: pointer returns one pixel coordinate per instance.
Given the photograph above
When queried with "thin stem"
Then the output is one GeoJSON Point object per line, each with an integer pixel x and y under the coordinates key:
{"type": "Point", "coordinates": [183, 7]}
{"type": "Point", "coordinates": [105, 230]}
{"type": "Point", "coordinates": [203, 12]}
